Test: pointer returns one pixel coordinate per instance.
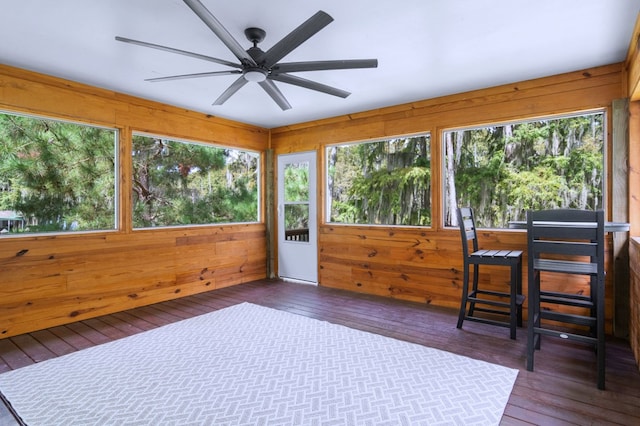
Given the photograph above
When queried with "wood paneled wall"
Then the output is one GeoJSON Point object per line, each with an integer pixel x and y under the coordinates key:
{"type": "Point", "coordinates": [69, 277]}
{"type": "Point", "coordinates": [50, 280]}
{"type": "Point", "coordinates": [424, 264]}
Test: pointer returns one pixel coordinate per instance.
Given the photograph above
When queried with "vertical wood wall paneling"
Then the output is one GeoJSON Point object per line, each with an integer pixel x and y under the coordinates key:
{"type": "Point", "coordinates": [125, 181]}
{"type": "Point", "coordinates": [269, 213]}
{"type": "Point", "coordinates": [424, 264]}
{"type": "Point", "coordinates": [48, 280]}
{"type": "Point", "coordinates": [620, 213]}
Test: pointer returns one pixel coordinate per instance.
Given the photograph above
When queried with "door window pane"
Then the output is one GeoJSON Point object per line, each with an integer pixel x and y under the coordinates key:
{"type": "Point", "coordinates": [296, 183]}
{"type": "Point", "coordinates": [296, 219]}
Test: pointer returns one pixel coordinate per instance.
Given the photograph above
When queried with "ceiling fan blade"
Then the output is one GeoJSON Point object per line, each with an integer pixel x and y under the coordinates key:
{"type": "Point", "coordinates": [178, 51]}
{"type": "Point", "coordinates": [196, 75]}
{"type": "Point", "coordinates": [235, 86]}
{"type": "Point", "coordinates": [219, 30]}
{"type": "Point", "coordinates": [323, 65]}
{"type": "Point", "coordinates": [308, 84]}
{"type": "Point", "coordinates": [296, 37]}
{"type": "Point", "coordinates": [275, 94]}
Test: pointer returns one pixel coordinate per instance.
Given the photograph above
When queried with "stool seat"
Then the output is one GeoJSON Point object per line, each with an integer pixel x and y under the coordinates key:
{"type": "Point", "coordinates": [492, 302]}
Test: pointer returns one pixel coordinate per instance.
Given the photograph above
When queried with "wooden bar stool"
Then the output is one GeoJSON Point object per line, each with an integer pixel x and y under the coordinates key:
{"type": "Point", "coordinates": [494, 303]}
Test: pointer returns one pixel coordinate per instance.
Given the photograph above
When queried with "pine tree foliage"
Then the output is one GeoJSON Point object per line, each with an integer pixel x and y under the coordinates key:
{"type": "Point", "coordinates": [59, 176]}
{"type": "Point", "coordinates": [181, 183]}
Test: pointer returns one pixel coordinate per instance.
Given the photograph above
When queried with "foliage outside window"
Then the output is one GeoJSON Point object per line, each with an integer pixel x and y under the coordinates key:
{"type": "Point", "coordinates": [296, 196]}
{"type": "Point", "coordinates": [383, 183]}
{"type": "Point", "coordinates": [183, 183]}
{"type": "Point", "coordinates": [55, 176]}
{"type": "Point", "coordinates": [503, 171]}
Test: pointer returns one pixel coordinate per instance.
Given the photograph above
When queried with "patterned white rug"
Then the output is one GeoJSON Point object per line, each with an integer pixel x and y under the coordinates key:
{"type": "Point", "coordinates": [251, 365]}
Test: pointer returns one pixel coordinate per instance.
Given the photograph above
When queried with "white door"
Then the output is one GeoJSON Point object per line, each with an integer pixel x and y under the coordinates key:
{"type": "Point", "coordinates": [297, 217]}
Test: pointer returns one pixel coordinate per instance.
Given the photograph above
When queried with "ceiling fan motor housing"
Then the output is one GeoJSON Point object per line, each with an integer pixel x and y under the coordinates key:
{"type": "Point", "coordinates": [255, 35]}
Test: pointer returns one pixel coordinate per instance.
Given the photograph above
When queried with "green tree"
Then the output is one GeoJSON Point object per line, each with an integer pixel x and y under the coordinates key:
{"type": "Point", "coordinates": [58, 175]}
{"type": "Point", "coordinates": [385, 182]}
{"type": "Point", "coordinates": [180, 183]}
{"type": "Point", "coordinates": [502, 171]}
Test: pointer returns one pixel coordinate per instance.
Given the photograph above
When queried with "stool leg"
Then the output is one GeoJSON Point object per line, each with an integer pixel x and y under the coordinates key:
{"type": "Point", "coordinates": [600, 355]}
{"type": "Point", "coordinates": [465, 292]}
{"type": "Point", "coordinates": [513, 316]}
{"type": "Point", "coordinates": [534, 307]}
{"type": "Point", "coordinates": [474, 290]}
{"type": "Point", "coordinates": [519, 290]}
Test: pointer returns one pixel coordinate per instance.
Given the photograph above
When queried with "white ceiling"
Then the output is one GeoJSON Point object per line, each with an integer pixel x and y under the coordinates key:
{"type": "Point", "coordinates": [425, 48]}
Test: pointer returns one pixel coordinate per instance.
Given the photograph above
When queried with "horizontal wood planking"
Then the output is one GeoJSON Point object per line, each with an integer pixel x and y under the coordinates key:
{"type": "Point", "coordinates": [423, 265]}
{"type": "Point", "coordinates": [584, 89]}
{"type": "Point", "coordinates": [33, 93]}
{"type": "Point", "coordinates": [72, 277]}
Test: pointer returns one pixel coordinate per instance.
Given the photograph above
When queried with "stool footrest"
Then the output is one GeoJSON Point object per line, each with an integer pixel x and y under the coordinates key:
{"type": "Point", "coordinates": [488, 321]}
{"type": "Point", "coordinates": [565, 335]}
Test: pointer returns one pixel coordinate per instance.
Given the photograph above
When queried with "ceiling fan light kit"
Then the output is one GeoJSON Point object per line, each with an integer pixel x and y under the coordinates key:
{"type": "Point", "coordinates": [255, 74]}
{"type": "Point", "coordinates": [258, 66]}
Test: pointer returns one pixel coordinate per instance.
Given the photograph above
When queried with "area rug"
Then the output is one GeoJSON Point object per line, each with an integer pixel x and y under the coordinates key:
{"type": "Point", "coordinates": [251, 365]}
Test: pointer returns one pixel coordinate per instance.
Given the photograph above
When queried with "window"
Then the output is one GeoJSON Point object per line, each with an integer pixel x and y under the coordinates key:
{"type": "Point", "coordinates": [185, 183]}
{"type": "Point", "coordinates": [504, 170]}
{"type": "Point", "coordinates": [383, 183]}
{"type": "Point", "coordinates": [56, 176]}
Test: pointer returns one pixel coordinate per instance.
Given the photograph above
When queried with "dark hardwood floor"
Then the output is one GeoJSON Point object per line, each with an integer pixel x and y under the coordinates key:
{"type": "Point", "coordinates": [561, 390]}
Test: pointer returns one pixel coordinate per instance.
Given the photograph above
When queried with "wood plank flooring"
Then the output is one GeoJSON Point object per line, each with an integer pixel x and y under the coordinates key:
{"type": "Point", "coordinates": [561, 391]}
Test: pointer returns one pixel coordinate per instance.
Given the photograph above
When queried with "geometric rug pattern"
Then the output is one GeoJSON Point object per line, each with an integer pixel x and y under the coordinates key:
{"type": "Point", "coordinates": [251, 365]}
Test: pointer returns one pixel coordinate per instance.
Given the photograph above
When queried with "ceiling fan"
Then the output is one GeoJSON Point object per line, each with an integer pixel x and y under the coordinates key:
{"type": "Point", "coordinates": [263, 67]}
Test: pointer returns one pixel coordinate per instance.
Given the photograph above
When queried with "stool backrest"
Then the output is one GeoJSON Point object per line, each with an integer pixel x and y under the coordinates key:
{"type": "Point", "coordinates": [467, 224]}
{"type": "Point", "coordinates": [570, 232]}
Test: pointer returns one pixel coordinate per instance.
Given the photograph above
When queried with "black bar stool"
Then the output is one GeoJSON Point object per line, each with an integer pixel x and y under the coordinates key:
{"type": "Point", "coordinates": [491, 302]}
{"type": "Point", "coordinates": [566, 241]}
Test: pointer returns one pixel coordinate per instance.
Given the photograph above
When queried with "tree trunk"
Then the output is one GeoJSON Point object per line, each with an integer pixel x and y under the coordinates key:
{"type": "Point", "coordinates": [451, 184]}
